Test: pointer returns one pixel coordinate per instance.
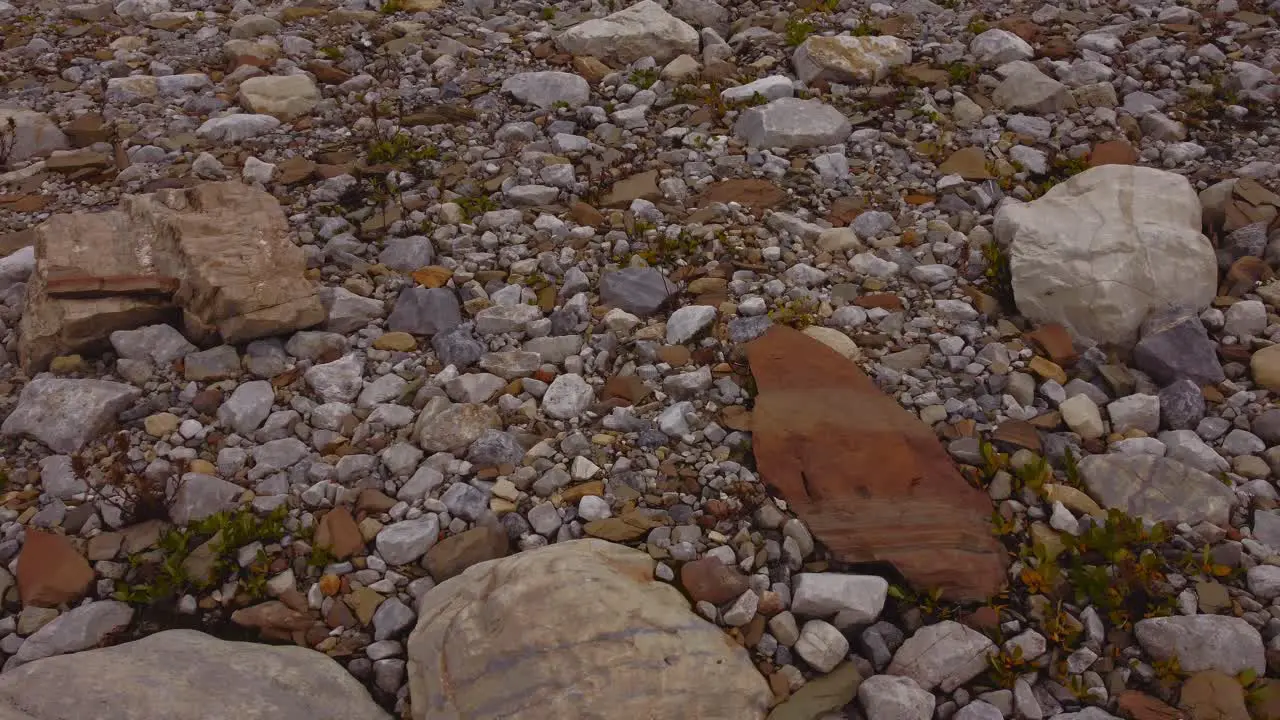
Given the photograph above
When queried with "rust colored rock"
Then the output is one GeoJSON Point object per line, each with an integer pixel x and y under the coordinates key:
{"type": "Point", "coordinates": [711, 580]}
{"type": "Point", "coordinates": [1113, 152]}
{"type": "Point", "coordinates": [1139, 706]}
{"type": "Point", "coordinates": [870, 480]}
{"type": "Point", "coordinates": [454, 554]}
{"type": "Point", "coordinates": [753, 193]}
{"type": "Point", "coordinates": [339, 533]}
{"type": "Point", "coordinates": [50, 571]}
{"type": "Point", "coordinates": [1055, 341]}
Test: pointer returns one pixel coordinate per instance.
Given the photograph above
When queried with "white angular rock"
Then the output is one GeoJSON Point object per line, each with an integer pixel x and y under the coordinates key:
{"type": "Point", "coordinates": [857, 599]}
{"type": "Point", "coordinates": [996, 47]}
{"type": "Point", "coordinates": [1203, 642]}
{"type": "Point", "coordinates": [337, 381]}
{"type": "Point", "coordinates": [1100, 251]}
{"type": "Point", "coordinates": [67, 414]}
{"type": "Point", "coordinates": [545, 89]}
{"type": "Point", "coordinates": [567, 397]}
{"type": "Point", "coordinates": [404, 542]}
{"type": "Point", "coordinates": [769, 88]}
{"type": "Point", "coordinates": [79, 629]}
{"type": "Point", "coordinates": [1135, 412]}
{"type": "Point", "coordinates": [945, 655]}
{"type": "Point", "coordinates": [849, 59]}
{"type": "Point", "coordinates": [641, 30]}
{"type": "Point", "coordinates": [1081, 414]}
{"type": "Point", "coordinates": [821, 645]}
{"type": "Point", "coordinates": [234, 128]}
{"type": "Point", "coordinates": [685, 323]}
{"type": "Point", "coordinates": [792, 123]}
{"type": "Point", "coordinates": [891, 697]}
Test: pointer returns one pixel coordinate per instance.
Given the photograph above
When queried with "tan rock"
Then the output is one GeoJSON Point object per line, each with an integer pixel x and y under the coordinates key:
{"type": "Point", "coordinates": [1211, 695]}
{"type": "Point", "coordinates": [630, 647]}
{"type": "Point", "coordinates": [50, 571]}
{"type": "Point", "coordinates": [216, 255]}
{"type": "Point", "coordinates": [1265, 365]}
{"type": "Point", "coordinates": [399, 341]}
{"type": "Point", "coordinates": [283, 96]}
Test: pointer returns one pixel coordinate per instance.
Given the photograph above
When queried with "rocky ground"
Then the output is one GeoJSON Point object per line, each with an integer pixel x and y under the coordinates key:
{"type": "Point", "coordinates": [829, 359]}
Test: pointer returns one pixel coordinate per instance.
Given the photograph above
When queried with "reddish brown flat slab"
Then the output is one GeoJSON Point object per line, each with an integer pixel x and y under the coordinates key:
{"type": "Point", "coordinates": [870, 480]}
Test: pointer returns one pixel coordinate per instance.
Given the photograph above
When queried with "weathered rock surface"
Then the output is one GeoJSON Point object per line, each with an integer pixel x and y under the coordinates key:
{"type": "Point", "coordinates": [1203, 642]}
{"type": "Point", "coordinates": [792, 123]}
{"type": "Point", "coordinates": [630, 648]}
{"type": "Point", "coordinates": [850, 59]}
{"type": "Point", "coordinates": [183, 675]}
{"type": "Point", "coordinates": [66, 414]}
{"type": "Point", "coordinates": [215, 255]}
{"type": "Point", "coordinates": [1100, 251]}
{"type": "Point", "coordinates": [868, 477]}
{"type": "Point", "coordinates": [641, 30]}
{"type": "Point", "coordinates": [1158, 489]}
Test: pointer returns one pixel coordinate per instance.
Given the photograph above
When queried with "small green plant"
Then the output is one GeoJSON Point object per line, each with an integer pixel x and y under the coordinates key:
{"type": "Point", "coordinates": [1117, 567]}
{"type": "Point", "coordinates": [643, 79]}
{"type": "Point", "coordinates": [1006, 666]}
{"type": "Point", "coordinates": [400, 149]}
{"type": "Point", "coordinates": [828, 6]}
{"type": "Point", "coordinates": [864, 28]}
{"type": "Point", "coordinates": [560, 105]}
{"type": "Point", "coordinates": [391, 7]}
{"type": "Point", "coordinates": [320, 557]}
{"type": "Point", "coordinates": [549, 13]}
{"type": "Point", "coordinates": [977, 26]}
{"type": "Point", "coordinates": [152, 582]}
{"type": "Point", "coordinates": [961, 73]}
{"type": "Point", "coordinates": [929, 601]}
{"type": "Point", "coordinates": [998, 274]}
{"type": "Point", "coordinates": [477, 205]}
{"type": "Point", "coordinates": [1001, 526]}
{"type": "Point", "coordinates": [798, 314]}
{"type": "Point", "coordinates": [797, 31]}
{"type": "Point", "coordinates": [330, 52]}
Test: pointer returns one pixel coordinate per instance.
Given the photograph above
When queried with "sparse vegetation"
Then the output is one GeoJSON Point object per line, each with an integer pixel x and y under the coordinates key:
{"type": "Point", "coordinates": [643, 79]}
{"type": "Point", "coordinates": [797, 31]}
{"type": "Point", "coordinates": [391, 7]}
{"type": "Point", "coordinates": [798, 314]}
{"type": "Point", "coordinates": [399, 149]}
{"type": "Point", "coordinates": [202, 556]}
{"type": "Point", "coordinates": [475, 206]}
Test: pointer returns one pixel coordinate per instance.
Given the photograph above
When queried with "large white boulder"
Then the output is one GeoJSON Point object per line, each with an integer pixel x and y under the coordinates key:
{"type": "Point", "coordinates": [642, 30]}
{"type": "Point", "coordinates": [497, 641]}
{"type": "Point", "coordinates": [1098, 252]}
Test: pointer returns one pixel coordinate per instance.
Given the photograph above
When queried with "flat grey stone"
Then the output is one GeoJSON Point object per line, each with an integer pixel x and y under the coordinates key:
{"type": "Point", "coordinates": [200, 496]}
{"type": "Point", "coordinates": [346, 312]}
{"type": "Point", "coordinates": [337, 381]}
{"type": "Point", "coordinates": [792, 123]}
{"type": "Point", "coordinates": [639, 291]}
{"type": "Point", "coordinates": [78, 629]}
{"type": "Point", "coordinates": [1175, 345]}
{"type": "Point", "coordinates": [425, 311]}
{"type": "Point", "coordinates": [407, 254]}
{"type": "Point", "coordinates": [160, 344]}
{"type": "Point", "coordinates": [547, 88]}
{"type": "Point", "coordinates": [1203, 642]}
{"type": "Point", "coordinates": [404, 542]}
{"type": "Point", "coordinates": [179, 675]}
{"type": "Point", "coordinates": [1156, 489]}
{"type": "Point", "coordinates": [67, 414]}
{"type": "Point", "coordinates": [457, 346]}
{"type": "Point", "coordinates": [247, 407]}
